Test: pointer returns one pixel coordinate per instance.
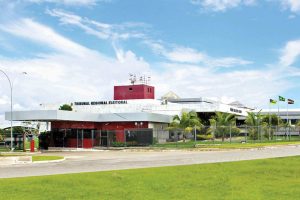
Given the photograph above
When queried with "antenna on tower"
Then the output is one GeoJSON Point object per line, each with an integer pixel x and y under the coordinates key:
{"type": "Point", "coordinates": [132, 78]}
{"type": "Point", "coordinates": [148, 80]}
{"type": "Point", "coordinates": [141, 79]}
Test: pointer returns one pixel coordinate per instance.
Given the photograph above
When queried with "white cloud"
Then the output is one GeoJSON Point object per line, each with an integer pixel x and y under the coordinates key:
{"type": "Point", "coordinates": [72, 72]}
{"type": "Point", "coordinates": [29, 29]}
{"type": "Point", "coordinates": [292, 5]}
{"type": "Point", "coordinates": [245, 86]}
{"type": "Point", "coordinates": [99, 29]}
{"type": "Point", "coordinates": [222, 5]}
{"type": "Point", "coordinates": [290, 53]}
{"type": "Point", "coordinates": [227, 62]}
{"type": "Point", "coordinates": [292, 16]}
{"type": "Point", "coordinates": [188, 55]}
{"type": "Point", "coordinates": [62, 76]}
{"type": "Point", "coordinates": [67, 2]}
{"type": "Point", "coordinates": [193, 56]}
{"type": "Point", "coordinates": [4, 100]}
{"type": "Point", "coordinates": [3, 124]}
{"type": "Point", "coordinates": [124, 31]}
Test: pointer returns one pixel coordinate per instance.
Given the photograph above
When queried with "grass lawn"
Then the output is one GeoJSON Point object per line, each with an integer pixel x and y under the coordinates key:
{"type": "Point", "coordinates": [224, 145]}
{"type": "Point", "coordinates": [35, 158]}
{"type": "Point", "coordinates": [4, 149]}
{"type": "Point", "coordinates": [45, 158]}
{"type": "Point", "coordinates": [254, 180]}
{"type": "Point", "coordinates": [12, 154]}
{"type": "Point", "coordinates": [246, 145]}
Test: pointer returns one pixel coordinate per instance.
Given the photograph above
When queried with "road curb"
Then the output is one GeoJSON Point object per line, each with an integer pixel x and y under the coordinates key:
{"type": "Point", "coordinates": [48, 161]}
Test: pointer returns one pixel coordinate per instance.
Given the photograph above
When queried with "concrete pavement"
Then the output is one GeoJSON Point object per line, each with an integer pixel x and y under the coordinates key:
{"type": "Point", "coordinates": [115, 160]}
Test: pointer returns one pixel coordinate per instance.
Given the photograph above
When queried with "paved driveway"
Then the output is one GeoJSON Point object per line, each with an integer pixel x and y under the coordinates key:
{"type": "Point", "coordinates": [114, 160]}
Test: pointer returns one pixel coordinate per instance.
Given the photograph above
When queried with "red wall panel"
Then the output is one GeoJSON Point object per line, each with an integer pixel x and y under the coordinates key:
{"type": "Point", "coordinates": [72, 142]}
{"type": "Point", "coordinates": [87, 143]}
{"type": "Point", "coordinates": [72, 125]}
{"type": "Point", "coordinates": [97, 125]}
{"type": "Point", "coordinates": [120, 125]}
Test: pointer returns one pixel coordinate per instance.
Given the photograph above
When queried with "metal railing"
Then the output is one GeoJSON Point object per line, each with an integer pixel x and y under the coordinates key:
{"type": "Point", "coordinates": [82, 138]}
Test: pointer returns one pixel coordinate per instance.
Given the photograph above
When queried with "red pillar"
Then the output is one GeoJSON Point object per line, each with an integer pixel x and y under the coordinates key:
{"type": "Point", "coordinates": [32, 146]}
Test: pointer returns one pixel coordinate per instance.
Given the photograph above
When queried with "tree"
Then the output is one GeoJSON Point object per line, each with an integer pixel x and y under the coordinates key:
{"type": "Point", "coordinates": [18, 129]}
{"type": "Point", "coordinates": [272, 122]}
{"type": "Point", "coordinates": [255, 123]}
{"type": "Point", "coordinates": [221, 124]}
{"type": "Point", "coordinates": [186, 122]}
{"type": "Point", "coordinates": [1, 134]}
{"type": "Point", "coordinates": [66, 107]}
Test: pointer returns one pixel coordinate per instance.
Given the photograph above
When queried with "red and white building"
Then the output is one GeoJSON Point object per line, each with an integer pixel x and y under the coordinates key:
{"type": "Point", "coordinates": [133, 117]}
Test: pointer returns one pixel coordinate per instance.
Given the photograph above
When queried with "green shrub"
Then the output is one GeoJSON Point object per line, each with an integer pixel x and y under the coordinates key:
{"type": "Point", "coordinates": [204, 137]}
{"type": "Point", "coordinates": [155, 140]}
{"type": "Point", "coordinates": [118, 144]}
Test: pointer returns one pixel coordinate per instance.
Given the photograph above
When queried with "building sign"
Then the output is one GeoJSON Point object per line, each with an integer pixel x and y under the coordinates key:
{"type": "Point", "coordinates": [235, 110]}
{"type": "Point", "coordinates": [93, 103]}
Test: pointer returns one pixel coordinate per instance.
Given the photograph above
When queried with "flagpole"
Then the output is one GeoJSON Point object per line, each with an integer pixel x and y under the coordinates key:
{"type": "Point", "coordinates": [269, 120]}
{"type": "Point", "coordinates": [277, 119]}
{"type": "Point", "coordinates": [287, 118]}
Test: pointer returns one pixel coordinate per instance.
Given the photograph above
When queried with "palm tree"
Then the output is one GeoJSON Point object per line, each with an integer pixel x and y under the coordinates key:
{"type": "Point", "coordinates": [254, 120]}
{"type": "Point", "coordinates": [298, 123]}
{"type": "Point", "coordinates": [221, 124]}
{"type": "Point", "coordinates": [272, 119]}
{"type": "Point", "coordinates": [186, 122]}
{"type": "Point", "coordinates": [272, 122]}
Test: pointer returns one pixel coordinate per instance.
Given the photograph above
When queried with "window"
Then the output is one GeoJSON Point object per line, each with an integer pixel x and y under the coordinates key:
{"type": "Point", "coordinates": [130, 88]}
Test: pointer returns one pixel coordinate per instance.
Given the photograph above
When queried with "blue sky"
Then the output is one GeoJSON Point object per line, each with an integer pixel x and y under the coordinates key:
{"type": "Point", "coordinates": [245, 50]}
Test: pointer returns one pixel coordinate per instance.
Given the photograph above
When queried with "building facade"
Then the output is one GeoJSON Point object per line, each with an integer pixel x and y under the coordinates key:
{"type": "Point", "coordinates": [133, 117]}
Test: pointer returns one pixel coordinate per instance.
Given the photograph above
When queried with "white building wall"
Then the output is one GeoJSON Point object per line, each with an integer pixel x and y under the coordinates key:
{"type": "Point", "coordinates": [160, 132]}
{"type": "Point", "coordinates": [154, 106]}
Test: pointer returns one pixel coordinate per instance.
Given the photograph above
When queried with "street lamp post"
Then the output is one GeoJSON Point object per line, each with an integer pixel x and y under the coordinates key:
{"type": "Point", "coordinates": [11, 107]}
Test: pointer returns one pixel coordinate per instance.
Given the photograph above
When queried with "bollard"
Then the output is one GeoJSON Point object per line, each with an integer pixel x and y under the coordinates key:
{"type": "Point", "coordinates": [32, 145]}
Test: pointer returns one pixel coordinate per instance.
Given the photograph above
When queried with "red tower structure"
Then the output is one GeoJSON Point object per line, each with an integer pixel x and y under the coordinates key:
{"type": "Point", "coordinates": [128, 92]}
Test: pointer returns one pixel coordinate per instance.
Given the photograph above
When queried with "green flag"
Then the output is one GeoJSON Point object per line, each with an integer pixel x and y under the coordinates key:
{"type": "Point", "coordinates": [272, 101]}
{"type": "Point", "coordinates": [281, 98]}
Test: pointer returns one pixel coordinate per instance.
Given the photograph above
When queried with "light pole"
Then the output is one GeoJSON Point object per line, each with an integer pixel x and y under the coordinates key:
{"type": "Point", "coordinates": [11, 107]}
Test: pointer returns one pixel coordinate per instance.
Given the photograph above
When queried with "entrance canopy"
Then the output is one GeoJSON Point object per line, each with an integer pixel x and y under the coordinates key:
{"type": "Point", "coordinates": [60, 115]}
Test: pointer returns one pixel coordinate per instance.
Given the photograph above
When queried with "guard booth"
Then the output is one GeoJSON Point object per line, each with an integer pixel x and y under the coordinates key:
{"type": "Point", "coordinates": [88, 130]}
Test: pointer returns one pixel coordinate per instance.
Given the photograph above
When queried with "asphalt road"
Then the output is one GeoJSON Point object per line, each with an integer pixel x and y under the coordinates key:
{"type": "Point", "coordinates": [90, 161]}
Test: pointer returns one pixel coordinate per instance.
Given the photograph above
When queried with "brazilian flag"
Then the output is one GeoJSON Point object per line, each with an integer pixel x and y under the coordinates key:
{"type": "Point", "coordinates": [281, 98]}
{"type": "Point", "coordinates": [272, 101]}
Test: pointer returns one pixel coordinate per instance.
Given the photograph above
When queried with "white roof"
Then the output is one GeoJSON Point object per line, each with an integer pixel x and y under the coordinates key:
{"type": "Point", "coordinates": [170, 95]}
{"type": "Point", "coordinates": [59, 115]}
